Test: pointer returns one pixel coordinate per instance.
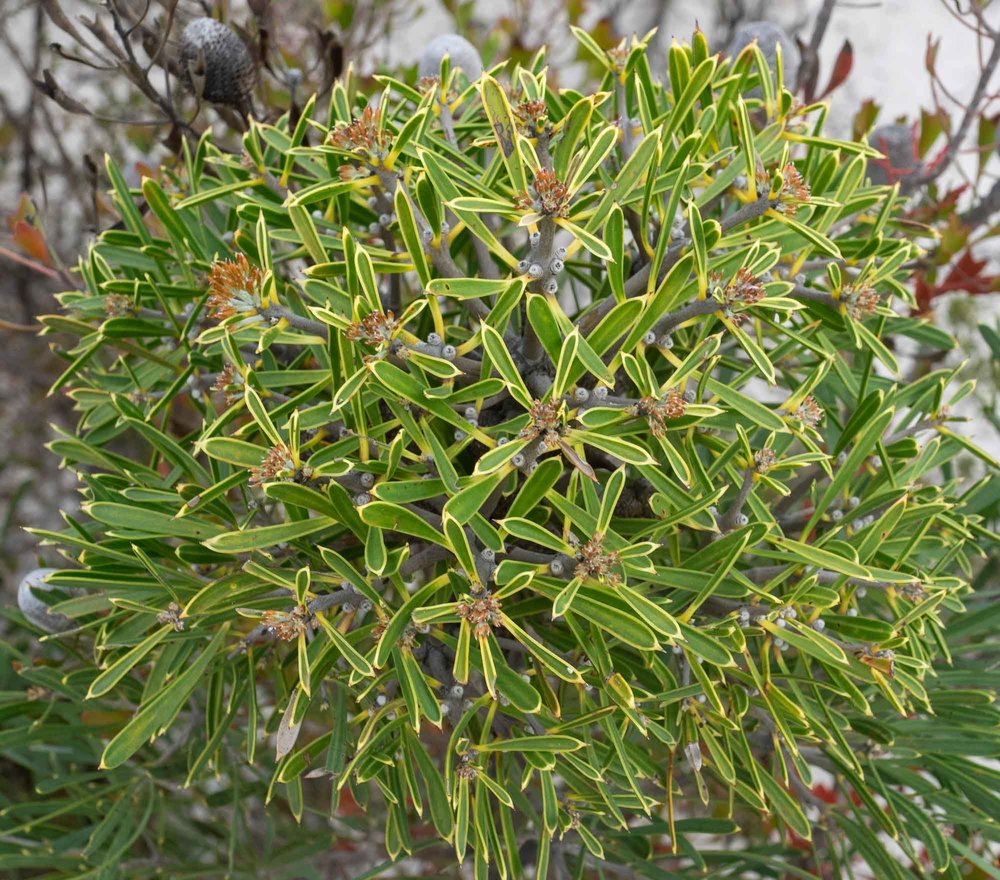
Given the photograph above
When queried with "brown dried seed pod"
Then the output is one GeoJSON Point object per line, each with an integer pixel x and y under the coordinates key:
{"type": "Point", "coordinates": [230, 73]}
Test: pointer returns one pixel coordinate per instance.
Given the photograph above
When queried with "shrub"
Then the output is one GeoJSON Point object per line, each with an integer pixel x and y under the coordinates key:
{"type": "Point", "coordinates": [530, 469]}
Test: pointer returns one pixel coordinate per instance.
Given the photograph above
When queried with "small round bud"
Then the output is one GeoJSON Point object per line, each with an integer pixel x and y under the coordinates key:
{"type": "Point", "coordinates": [426, 236]}
{"type": "Point", "coordinates": [666, 342]}
{"type": "Point", "coordinates": [532, 467]}
{"type": "Point", "coordinates": [742, 519]}
{"type": "Point", "coordinates": [502, 441]}
{"type": "Point", "coordinates": [561, 253]}
{"type": "Point", "coordinates": [581, 394]}
{"type": "Point", "coordinates": [714, 511]}
{"type": "Point", "coordinates": [853, 501]}
{"type": "Point", "coordinates": [689, 396]}
{"type": "Point", "coordinates": [445, 227]}
{"type": "Point", "coordinates": [372, 202]}
{"type": "Point", "coordinates": [456, 692]}
{"type": "Point", "coordinates": [522, 266]}
{"type": "Point", "coordinates": [800, 278]}
{"type": "Point", "coordinates": [534, 239]}
{"type": "Point", "coordinates": [781, 622]}
{"type": "Point", "coordinates": [556, 567]}
{"type": "Point", "coordinates": [518, 460]}
{"type": "Point", "coordinates": [460, 434]}
{"type": "Point", "coordinates": [449, 352]}
{"type": "Point", "coordinates": [852, 612]}
{"type": "Point", "coordinates": [842, 458]}
{"type": "Point", "coordinates": [649, 338]}
{"type": "Point", "coordinates": [470, 412]}
{"type": "Point", "coordinates": [535, 270]}
{"type": "Point", "coordinates": [551, 286]}
{"type": "Point", "coordinates": [488, 553]}
{"type": "Point", "coordinates": [819, 624]}
{"type": "Point", "coordinates": [473, 423]}
{"type": "Point", "coordinates": [556, 266]}
{"type": "Point", "coordinates": [422, 628]}
{"type": "Point", "coordinates": [837, 515]}
{"type": "Point", "coordinates": [861, 592]}
{"type": "Point", "coordinates": [367, 480]}
{"type": "Point", "coordinates": [362, 499]}
{"type": "Point", "coordinates": [600, 392]}
{"type": "Point", "coordinates": [384, 220]}
{"type": "Point", "coordinates": [317, 214]}
{"type": "Point", "coordinates": [380, 700]}
{"type": "Point", "coordinates": [433, 339]}
{"type": "Point", "coordinates": [445, 708]}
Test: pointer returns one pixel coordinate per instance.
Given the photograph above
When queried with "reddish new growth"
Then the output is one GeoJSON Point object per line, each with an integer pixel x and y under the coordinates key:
{"type": "Point", "coordinates": [375, 328]}
{"type": "Point", "coordinates": [117, 305]}
{"type": "Point", "coordinates": [533, 117]}
{"type": "Point", "coordinates": [596, 562]}
{"type": "Point", "coordinates": [658, 411]}
{"type": "Point", "coordinates": [546, 195]}
{"type": "Point", "coordinates": [546, 422]}
{"type": "Point", "coordinates": [763, 460]}
{"type": "Point", "coordinates": [362, 135]}
{"type": "Point", "coordinates": [860, 300]}
{"type": "Point", "coordinates": [287, 625]}
{"type": "Point", "coordinates": [793, 192]}
{"type": "Point", "coordinates": [235, 288]}
{"type": "Point", "coordinates": [277, 462]}
{"type": "Point", "coordinates": [482, 611]}
{"type": "Point", "coordinates": [809, 412]}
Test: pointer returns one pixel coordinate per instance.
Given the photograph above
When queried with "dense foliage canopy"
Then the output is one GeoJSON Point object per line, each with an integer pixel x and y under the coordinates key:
{"type": "Point", "coordinates": [527, 468]}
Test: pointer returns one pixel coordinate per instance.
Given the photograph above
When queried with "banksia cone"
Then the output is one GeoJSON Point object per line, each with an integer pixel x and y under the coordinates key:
{"type": "Point", "coordinates": [229, 73]}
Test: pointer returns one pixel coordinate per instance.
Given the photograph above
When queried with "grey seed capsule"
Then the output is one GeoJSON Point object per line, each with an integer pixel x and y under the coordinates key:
{"type": "Point", "coordinates": [362, 499]}
{"type": "Point", "coordinates": [502, 441]}
{"type": "Point", "coordinates": [470, 412]}
{"type": "Point", "coordinates": [561, 253]}
{"type": "Point", "coordinates": [666, 342]}
{"type": "Point", "coordinates": [535, 270]}
{"type": "Point", "coordinates": [556, 567]}
{"type": "Point", "coordinates": [368, 480]}
{"type": "Point", "coordinates": [837, 515]}
{"type": "Point", "coordinates": [445, 227]}
{"type": "Point", "coordinates": [852, 612]}
{"type": "Point", "coordinates": [460, 434]}
{"type": "Point", "coordinates": [861, 592]}
{"type": "Point", "coordinates": [374, 227]}
{"type": "Point", "coordinates": [384, 219]}
{"type": "Point", "coordinates": [853, 501]}
{"type": "Point", "coordinates": [474, 423]}
{"type": "Point", "coordinates": [34, 609]}
{"type": "Point", "coordinates": [649, 338]}
{"type": "Point", "coordinates": [689, 395]}
{"type": "Point", "coordinates": [534, 239]}
{"type": "Point", "coordinates": [373, 201]}
{"type": "Point", "coordinates": [317, 214]}
{"type": "Point", "coordinates": [426, 236]}
{"type": "Point", "coordinates": [433, 339]}
{"type": "Point", "coordinates": [448, 352]}
{"type": "Point", "coordinates": [488, 553]}
{"type": "Point", "coordinates": [600, 392]}
{"type": "Point", "coordinates": [742, 520]}
{"type": "Point", "coordinates": [819, 624]}
{"type": "Point", "coordinates": [551, 286]}
{"type": "Point", "coordinates": [518, 460]}
{"type": "Point", "coordinates": [556, 266]}
{"type": "Point", "coordinates": [522, 266]}
{"type": "Point", "coordinates": [581, 394]}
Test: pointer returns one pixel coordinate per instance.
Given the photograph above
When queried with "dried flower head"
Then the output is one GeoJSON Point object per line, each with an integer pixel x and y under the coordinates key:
{"type": "Point", "coordinates": [659, 410]}
{"type": "Point", "coordinates": [287, 625]}
{"type": "Point", "coordinates": [117, 305]}
{"type": "Point", "coordinates": [619, 54]}
{"type": "Point", "coordinates": [375, 329]}
{"type": "Point", "coordinates": [809, 412]}
{"type": "Point", "coordinates": [172, 616]}
{"type": "Point", "coordinates": [482, 611]}
{"type": "Point", "coordinates": [235, 288]}
{"type": "Point", "coordinates": [277, 463]}
{"type": "Point", "coordinates": [546, 421]}
{"type": "Point", "coordinates": [598, 563]}
{"type": "Point", "coordinates": [860, 300]}
{"type": "Point", "coordinates": [763, 460]}
{"type": "Point", "coordinates": [547, 194]}
{"type": "Point", "coordinates": [363, 135]}
{"type": "Point", "coordinates": [884, 660]}
{"type": "Point", "coordinates": [533, 117]}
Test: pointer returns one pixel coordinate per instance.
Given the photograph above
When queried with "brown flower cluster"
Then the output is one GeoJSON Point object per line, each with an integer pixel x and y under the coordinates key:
{"type": "Point", "coordinates": [533, 117]}
{"type": "Point", "coordinates": [809, 412]}
{"type": "Point", "coordinates": [375, 329]}
{"type": "Point", "coordinates": [546, 422]}
{"type": "Point", "coordinates": [276, 463]}
{"type": "Point", "coordinates": [596, 562]}
{"type": "Point", "coordinates": [745, 288]}
{"type": "Point", "coordinates": [288, 625]}
{"type": "Point", "coordinates": [230, 382]}
{"type": "Point", "coordinates": [362, 135]}
{"type": "Point", "coordinates": [117, 305]}
{"type": "Point", "coordinates": [659, 411]}
{"type": "Point", "coordinates": [793, 192]}
{"type": "Point", "coordinates": [860, 300]}
{"type": "Point", "coordinates": [547, 195]}
{"type": "Point", "coordinates": [482, 611]}
{"type": "Point", "coordinates": [763, 460]}
{"type": "Point", "coordinates": [234, 288]}
{"type": "Point", "coordinates": [172, 615]}
{"type": "Point", "coordinates": [465, 769]}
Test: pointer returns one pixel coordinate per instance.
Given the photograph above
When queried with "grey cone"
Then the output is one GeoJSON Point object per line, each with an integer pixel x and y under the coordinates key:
{"type": "Point", "coordinates": [230, 72]}
{"type": "Point", "coordinates": [461, 52]}
{"type": "Point", "coordinates": [768, 35]}
{"type": "Point", "coordinates": [34, 608]}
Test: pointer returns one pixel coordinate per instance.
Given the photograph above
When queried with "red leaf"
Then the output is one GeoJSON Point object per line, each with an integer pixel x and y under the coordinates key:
{"type": "Point", "coordinates": [30, 240]}
{"type": "Point", "coordinates": [841, 69]}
